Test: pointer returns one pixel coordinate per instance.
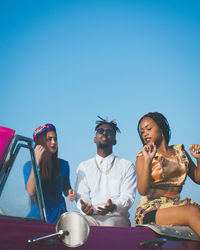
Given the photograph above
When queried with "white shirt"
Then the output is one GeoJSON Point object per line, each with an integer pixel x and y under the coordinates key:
{"type": "Point", "coordinates": [96, 187]}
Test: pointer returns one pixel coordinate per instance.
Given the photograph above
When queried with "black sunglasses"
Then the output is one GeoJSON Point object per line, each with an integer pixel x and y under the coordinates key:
{"type": "Point", "coordinates": [109, 132]}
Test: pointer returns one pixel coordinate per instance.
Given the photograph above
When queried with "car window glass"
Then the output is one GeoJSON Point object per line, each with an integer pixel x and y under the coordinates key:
{"type": "Point", "coordinates": [14, 200]}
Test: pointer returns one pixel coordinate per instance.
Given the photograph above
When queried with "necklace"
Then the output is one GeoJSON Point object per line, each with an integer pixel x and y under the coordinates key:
{"type": "Point", "coordinates": [108, 170]}
{"type": "Point", "coordinates": [169, 154]}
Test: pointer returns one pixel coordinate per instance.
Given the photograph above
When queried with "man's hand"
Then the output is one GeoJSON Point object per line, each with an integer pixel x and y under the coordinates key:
{"type": "Point", "coordinates": [109, 207]}
{"type": "Point", "coordinates": [71, 195]}
{"type": "Point", "coordinates": [86, 208]}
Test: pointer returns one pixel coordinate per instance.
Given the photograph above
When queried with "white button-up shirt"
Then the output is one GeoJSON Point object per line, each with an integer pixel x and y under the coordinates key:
{"type": "Point", "coordinates": [95, 186]}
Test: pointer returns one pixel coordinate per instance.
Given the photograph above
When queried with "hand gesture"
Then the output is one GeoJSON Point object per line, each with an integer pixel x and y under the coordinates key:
{"type": "Point", "coordinates": [71, 195]}
{"type": "Point", "coordinates": [109, 207]}
{"type": "Point", "coordinates": [39, 151]}
{"type": "Point", "coordinates": [86, 208]}
{"type": "Point", "coordinates": [149, 151]}
{"type": "Point", "coordinates": [195, 151]}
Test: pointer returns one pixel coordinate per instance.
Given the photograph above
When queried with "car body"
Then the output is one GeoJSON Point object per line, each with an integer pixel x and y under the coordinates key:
{"type": "Point", "coordinates": [16, 229]}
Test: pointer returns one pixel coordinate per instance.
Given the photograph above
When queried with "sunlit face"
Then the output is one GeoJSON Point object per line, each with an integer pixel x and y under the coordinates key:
{"type": "Point", "coordinates": [51, 142]}
{"type": "Point", "coordinates": [105, 136]}
{"type": "Point", "coordinates": [150, 131]}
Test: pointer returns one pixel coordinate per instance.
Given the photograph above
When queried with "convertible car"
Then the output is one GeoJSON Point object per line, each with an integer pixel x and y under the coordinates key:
{"type": "Point", "coordinates": [17, 231]}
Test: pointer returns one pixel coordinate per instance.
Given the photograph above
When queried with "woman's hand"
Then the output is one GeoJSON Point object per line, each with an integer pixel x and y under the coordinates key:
{"type": "Point", "coordinates": [194, 171]}
{"type": "Point", "coordinates": [149, 151]}
{"type": "Point", "coordinates": [195, 151]}
{"type": "Point", "coordinates": [71, 195]}
{"type": "Point", "coordinates": [39, 151]}
{"type": "Point", "coordinates": [143, 168]}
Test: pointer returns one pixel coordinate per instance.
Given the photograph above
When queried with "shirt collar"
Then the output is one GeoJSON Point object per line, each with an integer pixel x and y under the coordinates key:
{"type": "Point", "coordinates": [108, 158]}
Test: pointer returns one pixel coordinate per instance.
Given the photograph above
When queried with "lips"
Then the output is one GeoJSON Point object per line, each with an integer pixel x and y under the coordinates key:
{"type": "Point", "coordinates": [104, 138]}
{"type": "Point", "coordinates": [147, 140]}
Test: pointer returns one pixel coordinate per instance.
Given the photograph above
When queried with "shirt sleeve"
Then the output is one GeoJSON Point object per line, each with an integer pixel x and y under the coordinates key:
{"type": "Point", "coordinates": [81, 187]}
{"type": "Point", "coordinates": [127, 190]}
{"type": "Point", "coordinates": [66, 173]}
{"type": "Point", "coordinates": [26, 172]}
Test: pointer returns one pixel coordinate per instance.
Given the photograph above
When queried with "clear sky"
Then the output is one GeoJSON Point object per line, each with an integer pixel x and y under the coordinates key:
{"type": "Point", "coordinates": [65, 62]}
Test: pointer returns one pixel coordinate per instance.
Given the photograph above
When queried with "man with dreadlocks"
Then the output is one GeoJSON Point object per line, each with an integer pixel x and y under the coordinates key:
{"type": "Point", "coordinates": [106, 184]}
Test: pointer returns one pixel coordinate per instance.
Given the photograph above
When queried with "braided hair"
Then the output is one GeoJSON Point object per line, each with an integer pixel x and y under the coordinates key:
{"type": "Point", "coordinates": [162, 123]}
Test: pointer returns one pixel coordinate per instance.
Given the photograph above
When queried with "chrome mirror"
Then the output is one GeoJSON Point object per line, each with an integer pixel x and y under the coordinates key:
{"type": "Point", "coordinates": [71, 228]}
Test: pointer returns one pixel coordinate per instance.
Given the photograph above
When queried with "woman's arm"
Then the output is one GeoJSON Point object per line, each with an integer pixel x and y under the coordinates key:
{"type": "Point", "coordinates": [143, 168]}
{"type": "Point", "coordinates": [30, 186]}
{"type": "Point", "coordinates": [194, 171]}
{"type": "Point", "coordinates": [67, 189]}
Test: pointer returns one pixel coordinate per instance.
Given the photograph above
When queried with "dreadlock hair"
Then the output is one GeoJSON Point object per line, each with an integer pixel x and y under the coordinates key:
{"type": "Point", "coordinates": [162, 123]}
{"type": "Point", "coordinates": [112, 123]}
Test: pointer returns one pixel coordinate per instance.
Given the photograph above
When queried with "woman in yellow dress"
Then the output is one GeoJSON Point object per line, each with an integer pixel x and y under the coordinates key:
{"type": "Point", "coordinates": [161, 172]}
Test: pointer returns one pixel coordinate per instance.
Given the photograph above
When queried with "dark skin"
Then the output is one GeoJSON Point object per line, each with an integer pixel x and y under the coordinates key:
{"type": "Point", "coordinates": [104, 144]}
{"type": "Point", "coordinates": [155, 142]}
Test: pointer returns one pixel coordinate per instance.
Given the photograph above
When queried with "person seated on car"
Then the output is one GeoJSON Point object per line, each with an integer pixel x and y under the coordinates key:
{"type": "Point", "coordinates": [161, 172]}
{"type": "Point", "coordinates": [106, 184]}
{"type": "Point", "coordinates": [54, 175]}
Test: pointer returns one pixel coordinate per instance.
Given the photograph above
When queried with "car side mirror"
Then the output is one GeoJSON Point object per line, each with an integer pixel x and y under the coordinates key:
{"type": "Point", "coordinates": [72, 229]}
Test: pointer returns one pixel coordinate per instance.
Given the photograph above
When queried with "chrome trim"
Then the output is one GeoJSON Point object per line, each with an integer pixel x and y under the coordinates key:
{"type": "Point", "coordinates": [155, 243]}
{"type": "Point", "coordinates": [179, 232]}
{"type": "Point", "coordinates": [9, 159]}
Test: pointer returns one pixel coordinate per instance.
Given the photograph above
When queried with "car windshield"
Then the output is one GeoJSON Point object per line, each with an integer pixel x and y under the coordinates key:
{"type": "Point", "coordinates": [14, 199]}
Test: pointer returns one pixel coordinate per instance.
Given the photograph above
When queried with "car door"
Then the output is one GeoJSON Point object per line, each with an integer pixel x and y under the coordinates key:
{"type": "Point", "coordinates": [15, 204]}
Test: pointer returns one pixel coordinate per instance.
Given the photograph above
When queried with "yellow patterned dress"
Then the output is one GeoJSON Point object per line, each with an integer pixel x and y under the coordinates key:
{"type": "Point", "coordinates": [168, 177]}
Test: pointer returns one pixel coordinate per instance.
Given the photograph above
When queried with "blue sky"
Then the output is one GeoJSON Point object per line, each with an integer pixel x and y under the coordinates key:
{"type": "Point", "coordinates": [65, 62]}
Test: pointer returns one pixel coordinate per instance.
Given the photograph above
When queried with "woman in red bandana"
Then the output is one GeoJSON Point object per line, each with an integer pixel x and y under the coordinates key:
{"type": "Point", "coordinates": [54, 175]}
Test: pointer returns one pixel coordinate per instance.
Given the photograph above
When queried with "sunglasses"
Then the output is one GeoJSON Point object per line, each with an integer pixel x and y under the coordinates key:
{"type": "Point", "coordinates": [109, 132]}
